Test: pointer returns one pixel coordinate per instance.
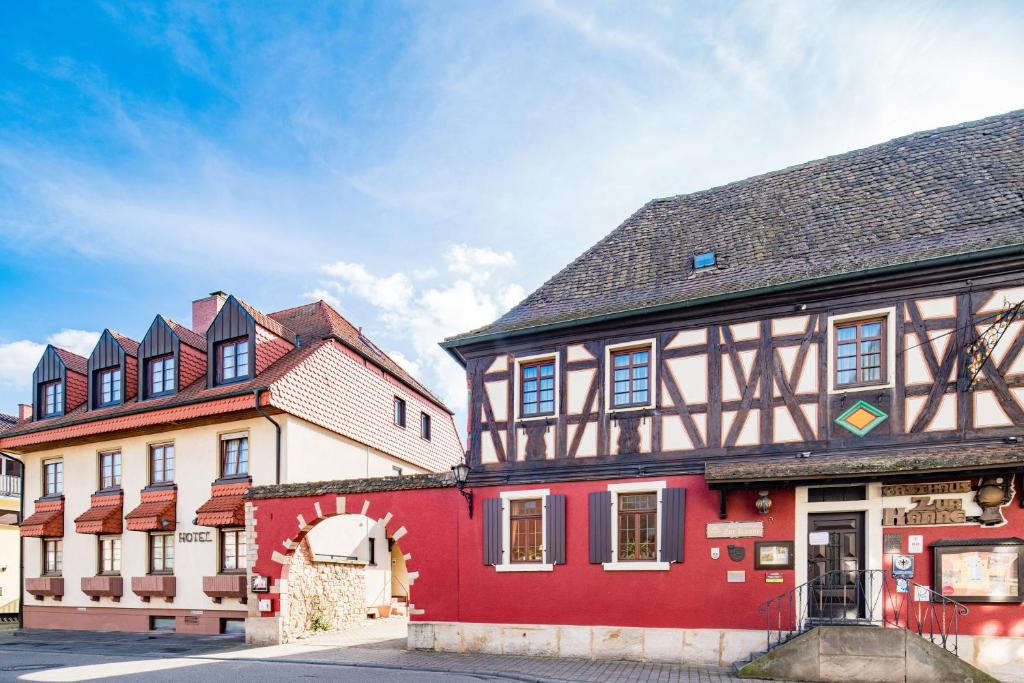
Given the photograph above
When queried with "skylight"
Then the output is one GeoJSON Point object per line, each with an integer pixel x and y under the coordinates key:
{"type": "Point", "coordinates": [704, 259]}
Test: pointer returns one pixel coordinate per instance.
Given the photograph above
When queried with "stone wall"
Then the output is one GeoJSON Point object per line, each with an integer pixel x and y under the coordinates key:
{"type": "Point", "coordinates": [333, 594]}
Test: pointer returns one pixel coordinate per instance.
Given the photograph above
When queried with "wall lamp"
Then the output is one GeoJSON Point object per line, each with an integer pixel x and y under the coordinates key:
{"type": "Point", "coordinates": [461, 473]}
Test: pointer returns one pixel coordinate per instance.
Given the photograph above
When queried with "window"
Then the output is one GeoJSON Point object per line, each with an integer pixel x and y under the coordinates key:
{"type": "Point", "coordinates": [162, 623]}
{"type": "Point", "coordinates": [860, 353]}
{"type": "Point", "coordinates": [52, 398]}
{"type": "Point", "coordinates": [232, 551]}
{"type": "Point", "coordinates": [110, 554]}
{"type": "Point", "coordinates": [373, 551]}
{"type": "Point", "coordinates": [161, 463]}
{"type": "Point", "coordinates": [630, 381]}
{"type": "Point", "coordinates": [108, 387]}
{"type": "Point", "coordinates": [399, 412]}
{"type": "Point", "coordinates": [526, 530]}
{"type": "Point", "coordinates": [234, 461]}
{"type": "Point", "coordinates": [110, 469]}
{"type": "Point", "coordinates": [53, 556]}
{"type": "Point", "coordinates": [638, 525]}
{"type": "Point", "coordinates": [537, 389]}
{"type": "Point", "coordinates": [53, 477]}
{"type": "Point", "coordinates": [161, 376]}
{"type": "Point", "coordinates": [161, 553]}
{"type": "Point", "coordinates": [425, 426]}
{"type": "Point", "coordinates": [705, 259]}
{"type": "Point", "coordinates": [234, 360]}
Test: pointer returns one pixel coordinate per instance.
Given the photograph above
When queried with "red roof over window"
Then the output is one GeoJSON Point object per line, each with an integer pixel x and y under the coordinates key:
{"type": "Point", "coordinates": [103, 515]}
{"type": "Point", "coordinates": [156, 511]}
{"type": "Point", "coordinates": [226, 506]}
{"type": "Point", "coordinates": [47, 520]}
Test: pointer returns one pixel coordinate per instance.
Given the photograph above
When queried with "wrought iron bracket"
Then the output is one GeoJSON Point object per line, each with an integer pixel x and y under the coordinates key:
{"type": "Point", "coordinates": [468, 495]}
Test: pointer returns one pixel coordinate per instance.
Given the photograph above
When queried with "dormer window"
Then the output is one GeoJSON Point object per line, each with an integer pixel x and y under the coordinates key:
{"type": "Point", "coordinates": [52, 398]}
{"type": "Point", "coordinates": [233, 360]}
{"type": "Point", "coordinates": [161, 375]}
{"type": "Point", "coordinates": [108, 387]}
{"type": "Point", "coordinates": [704, 259]}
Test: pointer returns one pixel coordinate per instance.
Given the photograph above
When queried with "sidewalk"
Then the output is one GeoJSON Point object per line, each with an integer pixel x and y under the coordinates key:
{"type": "Point", "coordinates": [374, 648]}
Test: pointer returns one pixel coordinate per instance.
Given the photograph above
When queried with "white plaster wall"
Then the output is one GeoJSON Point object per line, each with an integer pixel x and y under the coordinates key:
{"type": "Point", "coordinates": [8, 563]}
{"type": "Point", "coordinates": [312, 453]}
{"type": "Point", "coordinates": [197, 458]}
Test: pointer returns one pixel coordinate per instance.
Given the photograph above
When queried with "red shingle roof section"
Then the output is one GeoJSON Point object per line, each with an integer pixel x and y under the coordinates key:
{"type": "Point", "coordinates": [130, 346]}
{"type": "Point", "coordinates": [47, 520]}
{"type": "Point", "coordinates": [72, 361]}
{"type": "Point", "coordinates": [267, 321]}
{"type": "Point", "coordinates": [103, 515]}
{"type": "Point", "coordinates": [186, 335]}
{"type": "Point", "coordinates": [226, 506]}
{"type": "Point", "coordinates": [156, 511]}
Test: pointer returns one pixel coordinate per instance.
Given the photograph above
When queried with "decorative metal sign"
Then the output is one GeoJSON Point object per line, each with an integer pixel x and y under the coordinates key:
{"type": "Point", "coordinates": [932, 489]}
{"type": "Point", "coordinates": [949, 502]}
{"type": "Point", "coordinates": [926, 512]}
{"type": "Point", "coordinates": [260, 584]}
{"type": "Point", "coordinates": [735, 530]}
{"type": "Point", "coordinates": [737, 553]}
{"type": "Point", "coordinates": [195, 537]}
{"type": "Point", "coordinates": [903, 566]}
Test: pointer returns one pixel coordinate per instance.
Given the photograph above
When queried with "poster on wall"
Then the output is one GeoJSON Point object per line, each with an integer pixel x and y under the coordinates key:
{"type": "Point", "coordinates": [980, 571]}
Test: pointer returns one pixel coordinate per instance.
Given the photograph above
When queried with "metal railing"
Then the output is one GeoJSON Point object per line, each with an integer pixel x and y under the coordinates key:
{"type": "Point", "coordinates": [868, 597]}
{"type": "Point", "coordinates": [10, 485]}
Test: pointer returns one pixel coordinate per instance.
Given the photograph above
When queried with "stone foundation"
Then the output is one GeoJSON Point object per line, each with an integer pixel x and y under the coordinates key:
{"type": "Point", "coordinates": [325, 593]}
{"type": "Point", "coordinates": [705, 647]}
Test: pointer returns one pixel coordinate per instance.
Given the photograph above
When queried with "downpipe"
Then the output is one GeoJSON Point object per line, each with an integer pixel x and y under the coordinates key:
{"type": "Point", "coordinates": [277, 443]}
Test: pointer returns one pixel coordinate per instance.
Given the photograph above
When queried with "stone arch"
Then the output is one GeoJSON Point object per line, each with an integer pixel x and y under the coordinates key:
{"type": "Point", "coordinates": [292, 555]}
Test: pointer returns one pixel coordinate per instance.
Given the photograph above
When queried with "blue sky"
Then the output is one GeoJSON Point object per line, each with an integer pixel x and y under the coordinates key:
{"type": "Point", "coordinates": [422, 165]}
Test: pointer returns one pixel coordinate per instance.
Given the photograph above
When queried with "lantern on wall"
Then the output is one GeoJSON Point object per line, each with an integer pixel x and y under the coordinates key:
{"type": "Point", "coordinates": [763, 503]}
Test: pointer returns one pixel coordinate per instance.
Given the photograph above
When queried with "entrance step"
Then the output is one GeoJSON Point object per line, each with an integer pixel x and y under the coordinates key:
{"type": "Point", "coordinates": [854, 654]}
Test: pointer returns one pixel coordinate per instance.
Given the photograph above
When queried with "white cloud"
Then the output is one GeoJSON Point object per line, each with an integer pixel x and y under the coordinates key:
{"type": "Point", "coordinates": [418, 316]}
{"type": "Point", "coordinates": [19, 358]}
{"type": "Point", "coordinates": [320, 293]}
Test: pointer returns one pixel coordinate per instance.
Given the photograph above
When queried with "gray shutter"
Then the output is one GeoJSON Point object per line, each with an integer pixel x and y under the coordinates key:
{"type": "Point", "coordinates": [673, 517]}
{"type": "Point", "coordinates": [555, 529]}
{"type": "Point", "coordinates": [492, 530]}
{"type": "Point", "coordinates": [600, 527]}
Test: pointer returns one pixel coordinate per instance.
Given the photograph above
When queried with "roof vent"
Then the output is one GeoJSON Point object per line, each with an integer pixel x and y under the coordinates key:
{"type": "Point", "coordinates": [704, 259]}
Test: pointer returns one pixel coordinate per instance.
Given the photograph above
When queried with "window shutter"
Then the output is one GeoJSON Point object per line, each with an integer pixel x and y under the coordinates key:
{"type": "Point", "coordinates": [673, 517]}
{"type": "Point", "coordinates": [492, 531]}
{"type": "Point", "coordinates": [600, 527]}
{"type": "Point", "coordinates": [555, 529]}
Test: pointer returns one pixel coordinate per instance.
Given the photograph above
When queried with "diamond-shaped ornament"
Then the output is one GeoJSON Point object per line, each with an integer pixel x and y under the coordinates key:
{"type": "Point", "coordinates": [861, 418]}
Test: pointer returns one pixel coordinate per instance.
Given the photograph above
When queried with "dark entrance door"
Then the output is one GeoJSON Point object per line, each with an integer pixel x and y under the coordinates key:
{"type": "Point", "coordinates": [836, 587]}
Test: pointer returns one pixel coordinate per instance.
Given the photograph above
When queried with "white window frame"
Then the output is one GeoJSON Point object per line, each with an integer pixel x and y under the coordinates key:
{"type": "Point", "coordinates": [506, 532]}
{"type": "Point", "coordinates": [517, 381]}
{"type": "Point", "coordinates": [631, 565]}
{"type": "Point", "coordinates": [609, 373]}
{"type": "Point", "coordinates": [890, 347]}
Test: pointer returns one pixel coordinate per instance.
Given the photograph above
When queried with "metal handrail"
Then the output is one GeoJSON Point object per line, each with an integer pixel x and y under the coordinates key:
{"type": "Point", "coordinates": [863, 597]}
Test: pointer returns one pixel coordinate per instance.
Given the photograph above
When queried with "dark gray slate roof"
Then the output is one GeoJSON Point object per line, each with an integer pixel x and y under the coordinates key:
{"type": "Point", "coordinates": [884, 462]}
{"type": "Point", "coordinates": [433, 480]}
{"type": "Point", "coordinates": [928, 195]}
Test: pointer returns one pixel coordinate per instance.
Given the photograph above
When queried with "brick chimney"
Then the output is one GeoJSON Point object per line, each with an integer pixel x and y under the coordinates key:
{"type": "Point", "coordinates": [24, 412]}
{"type": "Point", "coordinates": [205, 310]}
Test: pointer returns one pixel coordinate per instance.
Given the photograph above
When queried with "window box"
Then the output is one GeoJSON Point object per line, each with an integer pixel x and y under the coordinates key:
{"type": "Point", "coordinates": [97, 587]}
{"type": "Point", "coordinates": [45, 586]}
{"type": "Point", "coordinates": [225, 586]}
{"type": "Point", "coordinates": [155, 586]}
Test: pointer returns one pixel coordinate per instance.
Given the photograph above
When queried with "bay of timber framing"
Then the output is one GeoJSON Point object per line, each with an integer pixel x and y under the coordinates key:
{"type": "Point", "coordinates": [909, 323]}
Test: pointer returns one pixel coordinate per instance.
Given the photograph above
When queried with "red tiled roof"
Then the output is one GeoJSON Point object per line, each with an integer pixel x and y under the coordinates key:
{"type": "Point", "coordinates": [103, 515]}
{"type": "Point", "coordinates": [72, 361]}
{"type": "Point", "coordinates": [267, 321]}
{"type": "Point", "coordinates": [187, 335]}
{"type": "Point", "coordinates": [226, 506]}
{"type": "Point", "coordinates": [318, 320]}
{"type": "Point", "coordinates": [47, 520]}
{"type": "Point", "coordinates": [130, 346]}
{"type": "Point", "coordinates": [156, 507]}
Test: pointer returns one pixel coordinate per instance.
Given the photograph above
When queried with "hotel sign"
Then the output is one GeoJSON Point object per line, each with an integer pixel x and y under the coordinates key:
{"type": "Point", "coordinates": [929, 504]}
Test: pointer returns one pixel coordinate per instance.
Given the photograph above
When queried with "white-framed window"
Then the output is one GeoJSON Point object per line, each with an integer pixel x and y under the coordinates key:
{"type": "Point", "coordinates": [861, 350]}
{"type": "Point", "coordinates": [521, 526]}
{"type": "Point", "coordinates": [631, 375]}
{"type": "Point", "coordinates": [110, 555]}
{"type": "Point", "coordinates": [636, 544]}
{"type": "Point", "coordinates": [536, 387]}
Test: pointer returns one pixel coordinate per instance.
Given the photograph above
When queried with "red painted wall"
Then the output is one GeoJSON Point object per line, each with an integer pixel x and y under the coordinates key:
{"type": "Point", "coordinates": [983, 618]}
{"type": "Point", "coordinates": [455, 585]}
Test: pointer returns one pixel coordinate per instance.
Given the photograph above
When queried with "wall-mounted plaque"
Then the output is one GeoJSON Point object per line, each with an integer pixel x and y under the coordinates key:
{"type": "Point", "coordinates": [735, 530]}
{"type": "Point", "coordinates": [260, 584]}
{"type": "Point", "coordinates": [737, 576]}
{"type": "Point", "coordinates": [892, 543]}
{"type": "Point", "coordinates": [773, 554]}
{"type": "Point", "coordinates": [773, 577]}
{"type": "Point", "coordinates": [737, 553]}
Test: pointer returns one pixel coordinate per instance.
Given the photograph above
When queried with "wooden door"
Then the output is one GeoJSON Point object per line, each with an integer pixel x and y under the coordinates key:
{"type": "Point", "coordinates": [836, 585]}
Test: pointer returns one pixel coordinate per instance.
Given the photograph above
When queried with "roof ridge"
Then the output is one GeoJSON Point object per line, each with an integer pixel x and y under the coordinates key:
{"type": "Point", "coordinates": [264, 320]}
